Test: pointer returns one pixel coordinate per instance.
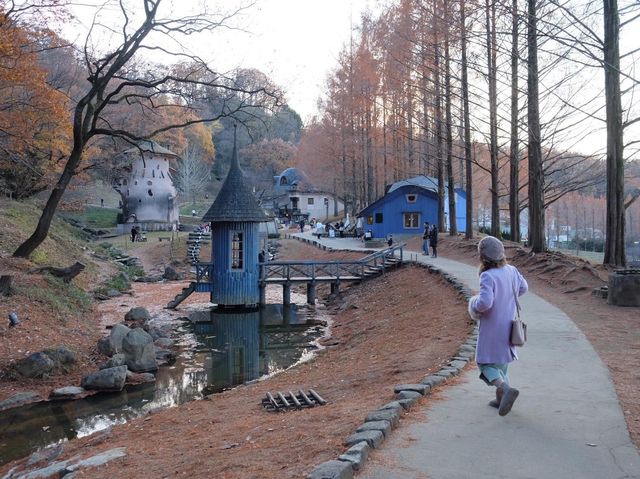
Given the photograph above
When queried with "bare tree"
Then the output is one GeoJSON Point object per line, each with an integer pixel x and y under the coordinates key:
{"type": "Point", "coordinates": [614, 251]}
{"type": "Point", "coordinates": [115, 82]}
{"type": "Point", "coordinates": [192, 173]}
{"type": "Point", "coordinates": [536, 177]}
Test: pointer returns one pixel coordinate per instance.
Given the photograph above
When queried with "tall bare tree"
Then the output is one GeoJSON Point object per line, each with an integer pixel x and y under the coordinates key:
{"type": "Point", "coordinates": [614, 251]}
{"type": "Point", "coordinates": [534, 149]}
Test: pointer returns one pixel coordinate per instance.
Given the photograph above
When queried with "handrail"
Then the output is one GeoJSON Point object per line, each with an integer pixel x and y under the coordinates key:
{"type": "Point", "coordinates": [310, 269]}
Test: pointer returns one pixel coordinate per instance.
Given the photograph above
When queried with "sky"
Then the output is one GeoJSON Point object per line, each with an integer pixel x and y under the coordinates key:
{"type": "Point", "coordinates": [295, 42]}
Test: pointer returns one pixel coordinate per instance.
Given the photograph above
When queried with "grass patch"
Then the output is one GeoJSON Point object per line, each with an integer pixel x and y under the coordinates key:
{"type": "Point", "coordinates": [201, 208]}
{"type": "Point", "coordinates": [97, 217]}
{"type": "Point", "coordinates": [60, 298]}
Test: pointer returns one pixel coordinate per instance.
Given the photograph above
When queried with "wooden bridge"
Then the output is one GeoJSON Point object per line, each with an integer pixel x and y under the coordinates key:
{"type": "Point", "coordinates": [311, 272]}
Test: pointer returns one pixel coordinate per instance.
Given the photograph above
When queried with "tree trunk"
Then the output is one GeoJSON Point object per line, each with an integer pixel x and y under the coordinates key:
{"type": "Point", "coordinates": [67, 274]}
{"type": "Point", "coordinates": [438, 119]}
{"type": "Point", "coordinates": [44, 223]}
{"type": "Point", "coordinates": [5, 285]}
{"type": "Point", "coordinates": [490, 15]}
{"type": "Point", "coordinates": [514, 155]}
{"type": "Point", "coordinates": [453, 227]}
{"type": "Point", "coordinates": [467, 125]}
{"type": "Point", "coordinates": [614, 251]}
{"type": "Point", "coordinates": [534, 149]}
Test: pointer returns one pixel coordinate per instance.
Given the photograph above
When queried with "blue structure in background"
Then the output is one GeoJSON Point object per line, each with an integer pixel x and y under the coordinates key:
{"type": "Point", "coordinates": [235, 217]}
{"type": "Point", "coordinates": [407, 205]}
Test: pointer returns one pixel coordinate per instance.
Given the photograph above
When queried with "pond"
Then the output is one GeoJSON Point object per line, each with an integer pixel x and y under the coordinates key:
{"type": "Point", "coordinates": [216, 350]}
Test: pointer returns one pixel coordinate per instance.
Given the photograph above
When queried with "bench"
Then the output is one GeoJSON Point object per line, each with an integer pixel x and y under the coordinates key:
{"type": "Point", "coordinates": [164, 238]}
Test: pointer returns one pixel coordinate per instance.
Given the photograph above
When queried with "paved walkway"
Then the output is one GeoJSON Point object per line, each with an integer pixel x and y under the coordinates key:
{"type": "Point", "coordinates": [567, 422]}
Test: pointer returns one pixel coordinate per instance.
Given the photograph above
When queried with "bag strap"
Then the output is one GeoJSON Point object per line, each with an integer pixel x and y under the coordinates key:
{"type": "Point", "coordinates": [515, 291]}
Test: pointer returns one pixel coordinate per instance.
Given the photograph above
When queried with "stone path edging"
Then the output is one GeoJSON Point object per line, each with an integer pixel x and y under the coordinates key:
{"type": "Point", "coordinates": [379, 423]}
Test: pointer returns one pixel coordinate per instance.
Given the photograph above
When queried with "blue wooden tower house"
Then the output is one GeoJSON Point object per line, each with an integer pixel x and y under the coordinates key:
{"type": "Point", "coordinates": [235, 216]}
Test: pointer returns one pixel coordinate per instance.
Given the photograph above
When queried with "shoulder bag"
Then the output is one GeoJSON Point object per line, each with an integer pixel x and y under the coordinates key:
{"type": "Point", "coordinates": [518, 326]}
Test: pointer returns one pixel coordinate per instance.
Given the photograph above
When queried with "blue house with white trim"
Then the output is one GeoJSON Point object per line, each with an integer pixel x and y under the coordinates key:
{"type": "Point", "coordinates": [407, 205]}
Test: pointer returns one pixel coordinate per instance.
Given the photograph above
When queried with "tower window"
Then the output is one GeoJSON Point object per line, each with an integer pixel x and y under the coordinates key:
{"type": "Point", "coordinates": [237, 250]}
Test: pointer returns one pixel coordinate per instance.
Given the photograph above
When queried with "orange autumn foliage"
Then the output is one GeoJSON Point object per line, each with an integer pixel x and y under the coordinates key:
{"type": "Point", "coordinates": [34, 125]}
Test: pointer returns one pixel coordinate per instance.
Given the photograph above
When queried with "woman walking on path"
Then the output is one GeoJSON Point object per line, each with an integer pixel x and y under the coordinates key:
{"type": "Point", "coordinates": [495, 307]}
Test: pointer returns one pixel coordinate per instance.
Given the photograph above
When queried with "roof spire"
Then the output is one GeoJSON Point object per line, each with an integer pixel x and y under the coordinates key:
{"type": "Point", "coordinates": [234, 156]}
{"type": "Point", "coordinates": [235, 201]}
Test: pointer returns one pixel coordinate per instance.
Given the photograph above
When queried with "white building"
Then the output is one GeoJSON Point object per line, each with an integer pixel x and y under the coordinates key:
{"type": "Point", "coordinates": [147, 191]}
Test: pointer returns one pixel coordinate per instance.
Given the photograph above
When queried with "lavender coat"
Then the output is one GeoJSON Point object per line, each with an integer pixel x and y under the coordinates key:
{"type": "Point", "coordinates": [497, 307]}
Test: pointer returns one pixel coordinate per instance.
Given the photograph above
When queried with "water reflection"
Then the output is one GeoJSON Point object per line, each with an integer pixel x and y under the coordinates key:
{"type": "Point", "coordinates": [217, 349]}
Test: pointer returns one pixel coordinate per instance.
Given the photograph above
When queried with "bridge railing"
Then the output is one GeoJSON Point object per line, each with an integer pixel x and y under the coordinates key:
{"type": "Point", "coordinates": [312, 270]}
{"type": "Point", "coordinates": [204, 272]}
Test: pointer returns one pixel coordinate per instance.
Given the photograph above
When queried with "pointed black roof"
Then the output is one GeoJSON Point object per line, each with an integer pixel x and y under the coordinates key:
{"type": "Point", "coordinates": [235, 201]}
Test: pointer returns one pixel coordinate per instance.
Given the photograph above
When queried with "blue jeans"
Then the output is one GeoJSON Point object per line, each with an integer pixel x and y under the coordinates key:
{"type": "Point", "coordinates": [425, 246]}
{"type": "Point", "coordinates": [489, 372]}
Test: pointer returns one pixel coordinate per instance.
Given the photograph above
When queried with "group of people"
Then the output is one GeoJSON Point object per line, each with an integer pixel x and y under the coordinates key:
{"type": "Point", "coordinates": [430, 238]}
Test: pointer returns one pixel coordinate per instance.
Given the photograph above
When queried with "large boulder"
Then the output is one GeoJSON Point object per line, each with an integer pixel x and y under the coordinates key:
{"type": "Point", "coordinates": [36, 365]}
{"type": "Point", "coordinates": [110, 379]}
{"type": "Point", "coordinates": [137, 314]}
{"type": "Point", "coordinates": [139, 351]}
{"type": "Point", "coordinates": [61, 357]}
{"type": "Point", "coordinates": [112, 344]}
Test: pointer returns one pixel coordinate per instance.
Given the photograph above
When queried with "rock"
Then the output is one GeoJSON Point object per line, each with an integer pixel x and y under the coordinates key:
{"type": "Point", "coordinates": [356, 455]}
{"type": "Point", "coordinates": [139, 351]}
{"type": "Point", "coordinates": [114, 361]}
{"type": "Point", "coordinates": [36, 365]}
{"type": "Point", "coordinates": [47, 454]}
{"type": "Point", "coordinates": [170, 274]}
{"type": "Point", "coordinates": [105, 347]}
{"type": "Point", "coordinates": [20, 399]}
{"type": "Point", "coordinates": [372, 437]}
{"type": "Point", "coordinates": [383, 426]}
{"type": "Point", "coordinates": [332, 470]}
{"type": "Point", "coordinates": [406, 394]}
{"type": "Point", "coordinates": [99, 459]}
{"type": "Point", "coordinates": [110, 379]}
{"type": "Point", "coordinates": [112, 344]}
{"type": "Point", "coordinates": [391, 415]}
{"type": "Point", "coordinates": [157, 333]}
{"type": "Point", "coordinates": [140, 378]}
{"type": "Point", "coordinates": [117, 335]}
{"type": "Point", "coordinates": [419, 388]}
{"type": "Point", "coordinates": [61, 356]}
{"type": "Point", "coordinates": [138, 314]}
{"type": "Point", "coordinates": [112, 293]}
{"type": "Point", "coordinates": [433, 380]}
{"type": "Point", "coordinates": [163, 343]}
{"type": "Point", "coordinates": [67, 392]}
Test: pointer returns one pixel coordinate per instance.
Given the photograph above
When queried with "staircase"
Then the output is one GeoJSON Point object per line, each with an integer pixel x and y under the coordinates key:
{"type": "Point", "coordinates": [184, 294]}
{"type": "Point", "coordinates": [194, 242]}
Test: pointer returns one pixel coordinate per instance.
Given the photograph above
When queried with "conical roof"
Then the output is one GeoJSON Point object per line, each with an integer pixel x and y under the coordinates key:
{"type": "Point", "coordinates": [235, 201]}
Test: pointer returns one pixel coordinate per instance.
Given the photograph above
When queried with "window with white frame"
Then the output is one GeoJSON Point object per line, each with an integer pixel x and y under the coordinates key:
{"type": "Point", "coordinates": [411, 220]}
{"type": "Point", "coordinates": [237, 250]}
{"type": "Point", "coordinates": [411, 198]}
{"type": "Point", "coordinates": [309, 201]}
